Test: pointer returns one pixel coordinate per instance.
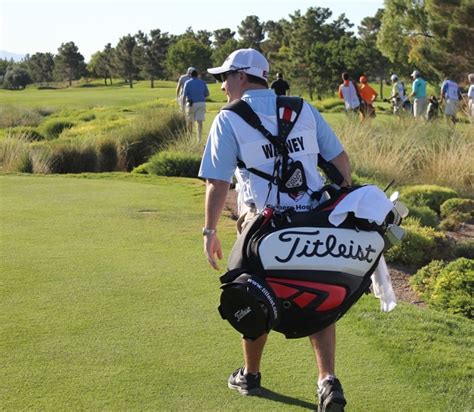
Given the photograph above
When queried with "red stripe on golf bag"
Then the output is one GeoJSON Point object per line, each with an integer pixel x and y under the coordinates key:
{"type": "Point", "coordinates": [328, 296]}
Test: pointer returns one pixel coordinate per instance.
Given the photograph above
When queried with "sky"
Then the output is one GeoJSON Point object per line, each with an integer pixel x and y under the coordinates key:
{"type": "Point", "coordinates": [30, 26]}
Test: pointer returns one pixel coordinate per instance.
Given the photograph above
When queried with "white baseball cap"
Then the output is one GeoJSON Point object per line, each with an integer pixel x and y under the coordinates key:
{"type": "Point", "coordinates": [415, 73]}
{"type": "Point", "coordinates": [249, 61]}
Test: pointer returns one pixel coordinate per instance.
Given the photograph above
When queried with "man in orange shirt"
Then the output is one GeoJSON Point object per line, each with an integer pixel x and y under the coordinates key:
{"type": "Point", "coordinates": [368, 95]}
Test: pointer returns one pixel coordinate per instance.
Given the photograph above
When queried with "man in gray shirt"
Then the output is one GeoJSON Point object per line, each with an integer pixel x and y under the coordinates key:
{"type": "Point", "coordinates": [179, 88]}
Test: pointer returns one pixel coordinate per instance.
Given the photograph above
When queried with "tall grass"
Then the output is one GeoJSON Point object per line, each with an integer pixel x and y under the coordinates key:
{"type": "Point", "coordinates": [117, 149]}
{"type": "Point", "coordinates": [412, 152]}
{"type": "Point", "coordinates": [11, 116]}
{"type": "Point", "coordinates": [147, 134]}
{"type": "Point", "coordinates": [15, 153]}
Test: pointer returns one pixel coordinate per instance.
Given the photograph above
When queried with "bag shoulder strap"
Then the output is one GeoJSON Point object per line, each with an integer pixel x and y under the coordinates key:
{"type": "Point", "coordinates": [288, 111]}
{"type": "Point", "coordinates": [243, 109]}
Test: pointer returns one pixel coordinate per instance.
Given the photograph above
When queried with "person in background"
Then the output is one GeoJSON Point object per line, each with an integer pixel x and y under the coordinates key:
{"type": "Point", "coordinates": [280, 86]}
{"type": "Point", "coordinates": [179, 88]}
{"type": "Point", "coordinates": [244, 76]}
{"type": "Point", "coordinates": [470, 97]}
{"type": "Point", "coordinates": [418, 93]}
{"type": "Point", "coordinates": [450, 95]}
{"type": "Point", "coordinates": [195, 92]}
{"type": "Point", "coordinates": [368, 94]}
{"type": "Point", "coordinates": [398, 97]}
{"type": "Point", "coordinates": [348, 92]}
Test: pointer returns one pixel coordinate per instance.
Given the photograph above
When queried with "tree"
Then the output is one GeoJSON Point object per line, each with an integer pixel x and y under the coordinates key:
{"type": "Point", "coordinates": [251, 32]}
{"type": "Point", "coordinates": [448, 49]}
{"type": "Point", "coordinates": [404, 32]}
{"type": "Point", "coordinates": [152, 50]}
{"type": "Point", "coordinates": [41, 67]}
{"type": "Point", "coordinates": [69, 63]}
{"type": "Point", "coordinates": [221, 36]}
{"type": "Point", "coordinates": [220, 54]}
{"type": "Point", "coordinates": [204, 37]}
{"type": "Point", "coordinates": [187, 52]}
{"type": "Point", "coordinates": [125, 60]}
{"type": "Point", "coordinates": [101, 63]}
{"type": "Point", "coordinates": [16, 78]}
{"type": "Point", "coordinates": [376, 64]}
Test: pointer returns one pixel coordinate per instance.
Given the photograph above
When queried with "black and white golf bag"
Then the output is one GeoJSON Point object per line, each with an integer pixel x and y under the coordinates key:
{"type": "Point", "coordinates": [296, 273]}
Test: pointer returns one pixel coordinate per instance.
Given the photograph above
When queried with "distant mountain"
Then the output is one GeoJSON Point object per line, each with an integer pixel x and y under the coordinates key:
{"type": "Point", "coordinates": [7, 55]}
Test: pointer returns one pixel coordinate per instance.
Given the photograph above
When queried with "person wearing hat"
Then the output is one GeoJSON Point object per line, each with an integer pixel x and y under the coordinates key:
{"type": "Point", "coordinates": [244, 76]}
{"type": "Point", "coordinates": [418, 93]}
{"type": "Point", "coordinates": [368, 94]}
{"type": "Point", "coordinates": [398, 97]}
{"type": "Point", "coordinates": [179, 88]}
{"type": "Point", "coordinates": [280, 86]}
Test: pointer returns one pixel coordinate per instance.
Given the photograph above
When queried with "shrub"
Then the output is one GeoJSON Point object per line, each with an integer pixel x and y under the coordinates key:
{"type": "Point", "coordinates": [454, 221]}
{"type": "Point", "coordinates": [52, 128]}
{"type": "Point", "coordinates": [454, 288]}
{"type": "Point", "coordinates": [427, 195]}
{"type": "Point", "coordinates": [107, 153]}
{"type": "Point", "coordinates": [420, 245]}
{"type": "Point", "coordinates": [464, 249]}
{"type": "Point", "coordinates": [174, 164]}
{"type": "Point", "coordinates": [86, 117]}
{"type": "Point", "coordinates": [141, 170]}
{"type": "Point", "coordinates": [424, 279]}
{"type": "Point", "coordinates": [68, 158]}
{"type": "Point", "coordinates": [424, 214]}
{"type": "Point", "coordinates": [458, 205]}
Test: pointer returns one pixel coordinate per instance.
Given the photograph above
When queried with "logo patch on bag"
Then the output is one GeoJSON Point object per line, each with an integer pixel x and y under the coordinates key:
{"type": "Point", "coordinates": [325, 249]}
{"type": "Point", "coordinates": [296, 180]}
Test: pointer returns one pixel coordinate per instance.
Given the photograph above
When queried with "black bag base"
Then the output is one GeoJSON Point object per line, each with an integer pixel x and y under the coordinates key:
{"type": "Point", "coordinates": [243, 311]}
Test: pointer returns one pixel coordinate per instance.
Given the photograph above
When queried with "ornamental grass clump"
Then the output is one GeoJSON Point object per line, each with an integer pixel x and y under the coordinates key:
{"type": "Point", "coordinates": [15, 153]}
{"type": "Point", "coordinates": [147, 134]}
{"type": "Point", "coordinates": [174, 164]}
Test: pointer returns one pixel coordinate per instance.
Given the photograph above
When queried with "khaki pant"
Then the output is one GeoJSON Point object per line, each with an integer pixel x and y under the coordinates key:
{"type": "Point", "coordinates": [420, 105]}
{"type": "Point", "coordinates": [245, 217]}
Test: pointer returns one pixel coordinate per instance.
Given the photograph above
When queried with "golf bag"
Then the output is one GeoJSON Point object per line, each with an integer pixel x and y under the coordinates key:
{"type": "Point", "coordinates": [295, 272]}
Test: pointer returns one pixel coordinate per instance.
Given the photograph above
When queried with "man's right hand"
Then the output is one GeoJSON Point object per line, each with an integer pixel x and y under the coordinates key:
{"type": "Point", "coordinates": [213, 249]}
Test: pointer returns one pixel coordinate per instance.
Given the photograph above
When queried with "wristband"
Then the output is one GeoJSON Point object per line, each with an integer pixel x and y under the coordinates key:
{"type": "Point", "coordinates": [207, 232]}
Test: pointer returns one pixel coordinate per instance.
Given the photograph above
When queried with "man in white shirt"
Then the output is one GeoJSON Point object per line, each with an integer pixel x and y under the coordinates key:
{"type": "Point", "coordinates": [348, 93]}
{"type": "Point", "coordinates": [244, 76]}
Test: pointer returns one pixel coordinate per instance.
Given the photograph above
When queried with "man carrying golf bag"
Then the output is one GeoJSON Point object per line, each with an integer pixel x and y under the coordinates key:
{"type": "Point", "coordinates": [281, 266]}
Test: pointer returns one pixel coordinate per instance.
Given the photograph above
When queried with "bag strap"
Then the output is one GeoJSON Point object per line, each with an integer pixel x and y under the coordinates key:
{"type": "Point", "coordinates": [288, 112]}
{"type": "Point", "coordinates": [244, 110]}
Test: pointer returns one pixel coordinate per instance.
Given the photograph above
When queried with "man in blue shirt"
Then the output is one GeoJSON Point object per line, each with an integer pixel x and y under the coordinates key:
{"type": "Point", "coordinates": [418, 93]}
{"type": "Point", "coordinates": [450, 95]}
{"type": "Point", "coordinates": [194, 93]}
{"type": "Point", "coordinates": [244, 76]}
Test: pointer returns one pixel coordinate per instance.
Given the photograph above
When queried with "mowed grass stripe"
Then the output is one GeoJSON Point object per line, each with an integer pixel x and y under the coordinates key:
{"type": "Point", "coordinates": [108, 303]}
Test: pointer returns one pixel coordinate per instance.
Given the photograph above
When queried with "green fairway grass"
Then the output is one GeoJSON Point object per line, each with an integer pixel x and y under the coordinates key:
{"type": "Point", "coordinates": [107, 303]}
